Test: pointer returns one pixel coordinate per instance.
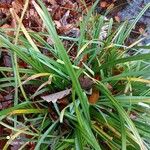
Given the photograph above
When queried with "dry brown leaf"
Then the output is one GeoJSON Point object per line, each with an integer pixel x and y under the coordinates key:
{"type": "Point", "coordinates": [103, 4]}
{"type": "Point", "coordinates": [65, 29]}
{"type": "Point", "coordinates": [52, 2]}
{"type": "Point", "coordinates": [117, 18]}
{"type": "Point", "coordinates": [7, 60]}
{"type": "Point", "coordinates": [94, 97]}
{"type": "Point", "coordinates": [63, 20]}
{"type": "Point", "coordinates": [73, 32]}
{"type": "Point", "coordinates": [34, 17]}
{"type": "Point", "coordinates": [50, 41]}
{"type": "Point", "coordinates": [1, 99]}
{"type": "Point", "coordinates": [141, 30]}
{"type": "Point", "coordinates": [6, 28]}
{"type": "Point", "coordinates": [83, 60]}
{"type": "Point", "coordinates": [17, 5]}
{"type": "Point", "coordinates": [5, 4]}
{"type": "Point", "coordinates": [57, 23]}
{"type": "Point", "coordinates": [56, 96]}
{"type": "Point", "coordinates": [85, 82]}
{"type": "Point", "coordinates": [109, 86]}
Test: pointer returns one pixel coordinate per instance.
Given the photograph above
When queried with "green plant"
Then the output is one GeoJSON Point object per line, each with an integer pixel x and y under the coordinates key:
{"type": "Point", "coordinates": [120, 117]}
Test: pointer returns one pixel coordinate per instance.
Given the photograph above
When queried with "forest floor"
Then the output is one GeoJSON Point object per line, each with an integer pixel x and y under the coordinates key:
{"type": "Point", "coordinates": [66, 16]}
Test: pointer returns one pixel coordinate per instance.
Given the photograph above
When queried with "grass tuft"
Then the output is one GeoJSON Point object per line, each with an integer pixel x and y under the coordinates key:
{"type": "Point", "coordinates": [119, 116]}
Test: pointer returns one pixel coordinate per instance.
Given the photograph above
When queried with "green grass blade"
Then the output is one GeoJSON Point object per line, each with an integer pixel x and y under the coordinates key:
{"type": "Point", "coordinates": [64, 56]}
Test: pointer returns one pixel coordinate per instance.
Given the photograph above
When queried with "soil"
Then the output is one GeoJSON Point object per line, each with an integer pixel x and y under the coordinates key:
{"type": "Point", "coordinates": [130, 11]}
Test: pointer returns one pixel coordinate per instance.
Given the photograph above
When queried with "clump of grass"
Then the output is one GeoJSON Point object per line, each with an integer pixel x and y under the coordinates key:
{"type": "Point", "coordinates": [120, 117]}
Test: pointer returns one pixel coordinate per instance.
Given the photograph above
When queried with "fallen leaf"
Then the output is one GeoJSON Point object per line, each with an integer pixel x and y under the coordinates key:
{"type": "Point", "coordinates": [56, 96]}
{"type": "Point", "coordinates": [65, 29]}
{"type": "Point", "coordinates": [52, 2]}
{"type": "Point", "coordinates": [83, 60]}
{"type": "Point", "coordinates": [5, 104]}
{"type": "Point", "coordinates": [85, 82]}
{"type": "Point", "coordinates": [142, 30]}
{"type": "Point", "coordinates": [7, 60]}
{"type": "Point", "coordinates": [74, 32]}
{"type": "Point", "coordinates": [5, 4]}
{"type": "Point", "coordinates": [57, 23]}
{"type": "Point", "coordinates": [6, 28]}
{"type": "Point", "coordinates": [17, 5]}
{"type": "Point", "coordinates": [1, 99]}
{"type": "Point", "coordinates": [117, 18]}
{"type": "Point", "coordinates": [3, 133]}
{"type": "Point", "coordinates": [109, 86]}
{"type": "Point", "coordinates": [63, 20]}
{"type": "Point", "coordinates": [19, 140]}
{"type": "Point", "coordinates": [33, 19]}
{"type": "Point", "coordinates": [103, 4]}
{"type": "Point", "coordinates": [93, 98]}
{"type": "Point", "coordinates": [50, 41]}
